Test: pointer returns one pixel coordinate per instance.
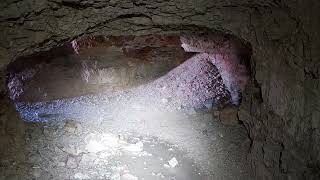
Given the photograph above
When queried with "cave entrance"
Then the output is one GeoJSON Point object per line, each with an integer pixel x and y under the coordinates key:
{"type": "Point", "coordinates": [137, 106]}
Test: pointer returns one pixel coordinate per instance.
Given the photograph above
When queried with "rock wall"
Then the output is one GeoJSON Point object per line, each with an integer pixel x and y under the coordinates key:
{"type": "Point", "coordinates": [93, 65]}
{"type": "Point", "coordinates": [12, 131]}
{"type": "Point", "coordinates": [229, 55]}
{"type": "Point", "coordinates": [281, 104]}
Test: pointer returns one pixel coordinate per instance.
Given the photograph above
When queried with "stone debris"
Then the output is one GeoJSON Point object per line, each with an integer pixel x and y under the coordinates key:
{"type": "Point", "coordinates": [72, 149]}
{"type": "Point", "coordinates": [145, 153]}
{"type": "Point", "coordinates": [70, 126]}
{"type": "Point", "coordinates": [116, 177]}
{"type": "Point", "coordinates": [61, 164]}
{"type": "Point", "coordinates": [105, 142]}
{"type": "Point", "coordinates": [95, 153]}
{"type": "Point", "coordinates": [164, 100]}
{"type": "Point", "coordinates": [94, 146]}
{"type": "Point", "coordinates": [137, 147]}
{"type": "Point", "coordinates": [72, 162]}
{"type": "Point", "coordinates": [81, 176]}
{"type": "Point", "coordinates": [173, 162]}
{"type": "Point", "coordinates": [128, 177]}
{"type": "Point", "coordinates": [88, 158]}
{"type": "Point", "coordinates": [159, 175]}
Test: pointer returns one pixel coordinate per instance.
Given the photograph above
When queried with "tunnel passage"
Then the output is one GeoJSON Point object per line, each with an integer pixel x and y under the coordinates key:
{"type": "Point", "coordinates": [199, 70]}
{"type": "Point", "coordinates": [135, 106]}
{"type": "Point", "coordinates": [92, 65]}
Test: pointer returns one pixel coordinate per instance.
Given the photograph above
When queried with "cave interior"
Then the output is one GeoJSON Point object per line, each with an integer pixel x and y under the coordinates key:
{"type": "Point", "coordinates": [133, 90]}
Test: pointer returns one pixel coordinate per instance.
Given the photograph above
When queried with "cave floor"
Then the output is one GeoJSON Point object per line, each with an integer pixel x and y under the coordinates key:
{"type": "Point", "coordinates": [183, 147]}
{"type": "Point", "coordinates": [149, 132]}
{"type": "Point", "coordinates": [130, 140]}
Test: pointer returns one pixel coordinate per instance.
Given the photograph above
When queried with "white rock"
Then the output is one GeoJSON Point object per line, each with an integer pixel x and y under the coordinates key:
{"type": "Point", "coordinates": [94, 146]}
{"type": "Point", "coordinates": [110, 140]}
{"type": "Point", "coordinates": [160, 175]}
{"type": "Point", "coordinates": [138, 147]}
{"type": "Point", "coordinates": [116, 177]}
{"type": "Point", "coordinates": [81, 176]}
{"type": "Point", "coordinates": [71, 149]}
{"type": "Point", "coordinates": [61, 164]}
{"type": "Point", "coordinates": [70, 126]}
{"type": "Point", "coordinates": [128, 177]}
{"type": "Point", "coordinates": [164, 100]}
{"type": "Point", "coordinates": [72, 162]}
{"type": "Point", "coordinates": [173, 162]}
{"type": "Point", "coordinates": [144, 153]}
{"type": "Point", "coordinates": [89, 158]}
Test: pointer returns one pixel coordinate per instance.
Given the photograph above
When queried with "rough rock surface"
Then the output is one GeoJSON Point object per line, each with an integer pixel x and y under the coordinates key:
{"type": "Point", "coordinates": [189, 85]}
{"type": "Point", "coordinates": [93, 65]}
{"type": "Point", "coordinates": [281, 105]}
{"type": "Point", "coordinates": [228, 116]}
{"type": "Point", "coordinates": [12, 133]}
{"type": "Point", "coordinates": [162, 109]}
{"type": "Point", "coordinates": [230, 56]}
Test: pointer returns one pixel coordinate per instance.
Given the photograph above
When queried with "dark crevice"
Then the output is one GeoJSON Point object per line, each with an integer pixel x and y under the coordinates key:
{"type": "Point", "coordinates": [124, 16]}
{"type": "Point", "coordinates": [280, 159]}
{"type": "Point", "coordinates": [128, 16]}
{"type": "Point", "coordinates": [75, 4]}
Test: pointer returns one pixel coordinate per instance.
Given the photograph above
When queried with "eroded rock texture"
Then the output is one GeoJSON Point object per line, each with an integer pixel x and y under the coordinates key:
{"type": "Point", "coordinates": [230, 56]}
{"type": "Point", "coordinates": [91, 65]}
{"type": "Point", "coordinates": [281, 105]}
{"type": "Point", "coordinates": [12, 131]}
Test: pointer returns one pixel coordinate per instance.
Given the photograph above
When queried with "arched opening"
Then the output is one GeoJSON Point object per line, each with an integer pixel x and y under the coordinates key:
{"type": "Point", "coordinates": [136, 106]}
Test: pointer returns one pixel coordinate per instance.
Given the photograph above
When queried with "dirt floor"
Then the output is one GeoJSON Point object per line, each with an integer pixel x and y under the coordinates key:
{"type": "Point", "coordinates": [146, 145]}
{"type": "Point", "coordinates": [155, 131]}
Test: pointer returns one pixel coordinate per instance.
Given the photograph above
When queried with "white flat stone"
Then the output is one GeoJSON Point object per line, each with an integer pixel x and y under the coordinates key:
{"type": "Point", "coordinates": [128, 177]}
{"type": "Point", "coordinates": [173, 162]}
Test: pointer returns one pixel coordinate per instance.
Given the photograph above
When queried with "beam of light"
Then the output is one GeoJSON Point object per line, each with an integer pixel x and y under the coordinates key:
{"type": "Point", "coordinates": [147, 128]}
